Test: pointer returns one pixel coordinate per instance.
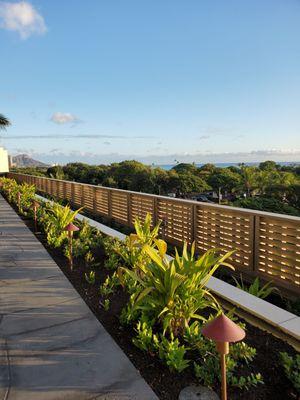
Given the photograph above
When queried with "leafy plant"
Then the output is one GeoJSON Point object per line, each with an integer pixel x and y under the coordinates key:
{"type": "Point", "coordinates": [144, 337]}
{"type": "Point", "coordinates": [172, 352]}
{"type": "Point", "coordinates": [55, 220]}
{"type": "Point", "coordinates": [12, 190]}
{"type": "Point", "coordinates": [90, 278]}
{"type": "Point", "coordinates": [255, 288]}
{"type": "Point", "coordinates": [105, 304]}
{"type": "Point", "coordinates": [89, 259]}
{"type": "Point", "coordinates": [246, 382]}
{"type": "Point", "coordinates": [131, 251]}
{"type": "Point", "coordinates": [207, 369]}
{"type": "Point", "coordinates": [88, 238]}
{"type": "Point", "coordinates": [112, 262]}
{"type": "Point", "coordinates": [173, 291]}
{"type": "Point", "coordinates": [291, 366]}
{"type": "Point", "coordinates": [109, 285]}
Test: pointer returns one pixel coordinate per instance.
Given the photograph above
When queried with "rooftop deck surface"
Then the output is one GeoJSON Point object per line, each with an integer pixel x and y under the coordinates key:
{"type": "Point", "coordinates": [51, 344]}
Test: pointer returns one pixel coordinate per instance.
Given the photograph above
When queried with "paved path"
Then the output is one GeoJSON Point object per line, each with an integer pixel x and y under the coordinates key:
{"type": "Point", "coordinates": [51, 345]}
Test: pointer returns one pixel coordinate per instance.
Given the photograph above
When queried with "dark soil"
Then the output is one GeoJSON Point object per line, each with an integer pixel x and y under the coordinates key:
{"type": "Point", "coordinates": [166, 384]}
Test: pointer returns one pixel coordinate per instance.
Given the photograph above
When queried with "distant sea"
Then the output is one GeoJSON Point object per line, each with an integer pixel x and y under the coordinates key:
{"type": "Point", "coordinates": [225, 165]}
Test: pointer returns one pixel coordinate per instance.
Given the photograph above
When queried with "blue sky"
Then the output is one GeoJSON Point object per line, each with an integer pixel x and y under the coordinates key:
{"type": "Point", "coordinates": [102, 81]}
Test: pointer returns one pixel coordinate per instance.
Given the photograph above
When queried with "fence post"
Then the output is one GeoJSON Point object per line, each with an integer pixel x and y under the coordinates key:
{"type": "Point", "coordinates": [129, 213]}
{"type": "Point", "coordinates": [155, 211]}
{"type": "Point", "coordinates": [82, 195]}
{"type": "Point", "coordinates": [95, 200]}
{"type": "Point", "coordinates": [65, 189]}
{"type": "Point", "coordinates": [109, 204]}
{"type": "Point", "coordinates": [255, 242]}
{"type": "Point", "coordinates": [72, 193]}
{"type": "Point", "coordinates": [194, 224]}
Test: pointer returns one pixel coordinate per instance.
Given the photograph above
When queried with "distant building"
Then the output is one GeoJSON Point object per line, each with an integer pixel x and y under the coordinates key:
{"type": "Point", "coordinates": [4, 167]}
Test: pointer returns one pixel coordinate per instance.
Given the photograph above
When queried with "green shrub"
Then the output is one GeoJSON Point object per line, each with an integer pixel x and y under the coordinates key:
{"type": "Point", "coordinates": [172, 352]}
{"type": "Point", "coordinates": [207, 369]}
{"type": "Point", "coordinates": [27, 193]}
{"type": "Point", "coordinates": [291, 367]}
{"type": "Point", "coordinates": [55, 219]}
{"type": "Point", "coordinates": [144, 337]}
{"type": "Point", "coordinates": [267, 204]}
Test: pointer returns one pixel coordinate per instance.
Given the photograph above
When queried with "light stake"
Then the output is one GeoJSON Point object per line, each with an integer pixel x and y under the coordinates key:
{"type": "Point", "coordinates": [35, 205]}
{"type": "Point", "coordinates": [19, 201]}
{"type": "Point", "coordinates": [222, 330]}
{"type": "Point", "coordinates": [70, 228]}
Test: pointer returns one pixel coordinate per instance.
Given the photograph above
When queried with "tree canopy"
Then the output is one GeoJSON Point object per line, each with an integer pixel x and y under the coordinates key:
{"type": "Point", "coordinates": [268, 186]}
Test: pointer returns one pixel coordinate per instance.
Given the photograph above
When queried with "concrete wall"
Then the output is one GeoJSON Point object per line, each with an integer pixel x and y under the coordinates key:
{"type": "Point", "coordinates": [3, 160]}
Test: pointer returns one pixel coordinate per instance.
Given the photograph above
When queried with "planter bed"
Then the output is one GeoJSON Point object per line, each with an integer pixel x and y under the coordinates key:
{"type": "Point", "coordinates": [278, 298]}
{"type": "Point", "coordinates": [167, 385]}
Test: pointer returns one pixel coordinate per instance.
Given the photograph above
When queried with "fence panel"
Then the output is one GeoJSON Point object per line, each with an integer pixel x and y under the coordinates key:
{"type": "Point", "coordinates": [229, 230]}
{"type": "Point", "coordinates": [278, 249]}
{"type": "Point", "coordinates": [265, 244]}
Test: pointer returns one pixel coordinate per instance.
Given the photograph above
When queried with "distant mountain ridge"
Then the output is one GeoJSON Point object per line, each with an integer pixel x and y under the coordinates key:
{"type": "Point", "coordinates": [23, 160]}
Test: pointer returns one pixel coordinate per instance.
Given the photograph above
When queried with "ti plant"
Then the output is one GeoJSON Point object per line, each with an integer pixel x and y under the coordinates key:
{"type": "Point", "coordinates": [132, 252]}
{"type": "Point", "coordinates": [173, 291]}
{"type": "Point", "coordinates": [55, 220]}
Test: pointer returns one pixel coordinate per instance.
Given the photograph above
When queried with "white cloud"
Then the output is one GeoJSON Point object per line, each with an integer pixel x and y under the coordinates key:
{"type": "Point", "coordinates": [21, 17]}
{"type": "Point", "coordinates": [202, 137]}
{"type": "Point", "coordinates": [63, 118]}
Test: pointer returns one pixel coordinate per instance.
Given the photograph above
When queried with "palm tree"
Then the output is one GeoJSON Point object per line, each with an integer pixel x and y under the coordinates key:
{"type": "Point", "coordinates": [4, 122]}
{"type": "Point", "coordinates": [249, 178]}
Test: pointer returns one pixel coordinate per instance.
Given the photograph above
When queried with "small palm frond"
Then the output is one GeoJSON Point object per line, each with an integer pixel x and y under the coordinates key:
{"type": "Point", "coordinates": [4, 122]}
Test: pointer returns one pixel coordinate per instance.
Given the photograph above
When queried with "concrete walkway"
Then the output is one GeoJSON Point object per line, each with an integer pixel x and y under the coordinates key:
{"type": "Point", "coordinates": [51, 345]}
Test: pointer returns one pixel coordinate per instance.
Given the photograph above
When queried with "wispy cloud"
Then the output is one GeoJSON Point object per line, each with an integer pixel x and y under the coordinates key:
{"type": "Point", "coordinates": [64, 118]}
{"type": "Point", "coordinates": [210, 132]}
{"type": "Point", "coordinates": [21, 17]}
{"type": "Point", "coordinates": [203, 137]}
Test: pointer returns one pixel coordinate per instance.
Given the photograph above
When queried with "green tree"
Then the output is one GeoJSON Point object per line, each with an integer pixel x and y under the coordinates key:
{"type": "Point", "coordinates": [266, 204]}
{"type": "Point", "coordinates": [249, 179]}
{"type": "Point", "coordinates": [189, 183]}
{"type": "Point", "coordinates": [185, 168]}
{"type": "Point", "coordinates": [225, 179]}
{"type": "Point", "coordinates": [56, 172]}
{"type": "Point", "coordinates": [268, 166]}
{"type": "Point", "coordinates": [208, 168]}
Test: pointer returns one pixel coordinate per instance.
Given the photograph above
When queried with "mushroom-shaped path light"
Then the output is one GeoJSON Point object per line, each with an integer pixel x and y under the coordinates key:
{"type": "Point", "coordinates": [35, 206]}
{"type": "Point", "coordinates": [70, 228]}
{"type": "Point", "coordinates": [19, 201]}
{"type": "Point", "coordinates": [222, 330]}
